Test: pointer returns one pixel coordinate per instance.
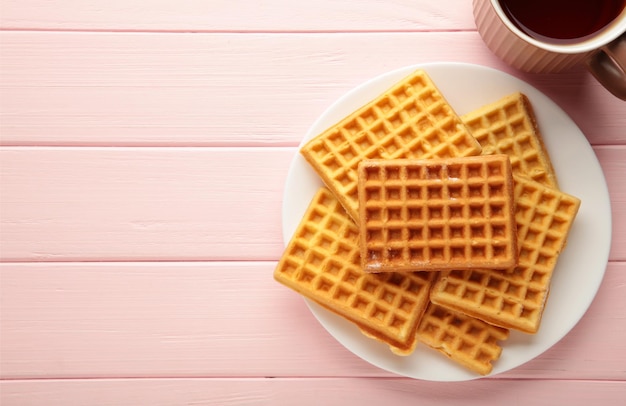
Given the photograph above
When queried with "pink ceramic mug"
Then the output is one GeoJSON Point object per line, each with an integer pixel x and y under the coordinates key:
{"type": "Point", "coordinates": [604, 52]}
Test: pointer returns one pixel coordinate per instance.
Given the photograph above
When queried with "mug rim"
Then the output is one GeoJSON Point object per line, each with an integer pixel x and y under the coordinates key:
{"type": "Point", "coordinates": [617, 28]}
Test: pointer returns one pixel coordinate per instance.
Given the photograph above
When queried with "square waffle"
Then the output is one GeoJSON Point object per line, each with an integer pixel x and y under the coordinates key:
{"type": "Point", "coordinates": [437, 214]}
{"type": "Point", "coordinates": [508, 126]}
{"type": "Point", "coordinates": [322, 263]}
{"type": "Point", "coordinates": [410, 120]}
{"type": "Point", "coordinates": [516, 299]}
{"type": "Point", "coordinates": [464, 339]}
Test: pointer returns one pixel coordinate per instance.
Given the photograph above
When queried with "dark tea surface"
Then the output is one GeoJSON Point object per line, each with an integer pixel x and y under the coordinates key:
{"type": "Point", "coordinates": [562, 21]}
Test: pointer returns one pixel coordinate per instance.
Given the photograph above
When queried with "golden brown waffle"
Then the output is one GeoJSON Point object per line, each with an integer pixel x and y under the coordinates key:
{"type": "Point", "coordinates": [409, 120]}
{"type": "Point", "coordinates": [464, 339]}
{"type": "Point", "coordinates": [437, 214]}
{"type": "Point", "coordinates": [322, 263]}
{"type": "Point", "coordinates": [516, 299]}
{"type": "Point", "coordinates": [508, 126]}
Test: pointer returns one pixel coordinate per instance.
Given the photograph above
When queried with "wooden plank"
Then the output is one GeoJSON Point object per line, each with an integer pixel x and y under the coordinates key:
{"type": "Point", "coordinates": [116, 204]}
{"type": "Point", "coordinates": [193, 89]}
{"type": "Point", "coordinates": [238, 15]}
{"type": "Point", "coordinates": [307, 391]}
{"type": "Point", "coordinates": [85, 204]}
{"type": "Point", "coordinates": [105, 320]}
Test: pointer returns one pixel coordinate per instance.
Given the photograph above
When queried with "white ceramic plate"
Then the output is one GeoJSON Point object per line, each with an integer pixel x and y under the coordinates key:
{"type": "Point", "coordinates": [580, 268]}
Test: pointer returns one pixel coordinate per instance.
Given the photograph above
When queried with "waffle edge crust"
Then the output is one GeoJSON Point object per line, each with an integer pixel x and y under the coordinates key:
{"type": "Point", "coordinates": [322, 263]}
{"type": "Point", "coordinates": [410, 120]}
{"type": "Point", "coordinates": [437, 214]}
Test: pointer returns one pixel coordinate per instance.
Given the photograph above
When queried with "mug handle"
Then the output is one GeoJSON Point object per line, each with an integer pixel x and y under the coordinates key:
{"type": "Point", "coordinates": [608, 66]}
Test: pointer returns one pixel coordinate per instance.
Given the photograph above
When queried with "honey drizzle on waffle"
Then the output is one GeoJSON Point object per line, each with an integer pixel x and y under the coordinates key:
{"type": "Point", "coordinates": [437, 214]}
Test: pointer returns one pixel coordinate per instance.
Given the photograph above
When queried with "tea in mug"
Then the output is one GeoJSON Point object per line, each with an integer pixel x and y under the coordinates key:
{"type": "Point", "coordinates": [562, 21]}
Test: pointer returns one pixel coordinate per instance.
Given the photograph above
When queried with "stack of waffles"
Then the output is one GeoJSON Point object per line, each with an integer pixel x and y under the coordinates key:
{"type": "Point", "coordinates": [432, 227]}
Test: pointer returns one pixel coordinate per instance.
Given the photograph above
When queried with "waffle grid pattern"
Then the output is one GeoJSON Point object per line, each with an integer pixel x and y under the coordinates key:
{"type": "Point", "coordinates": [437, 214]}
{"type": "Point", "coordinates": [516, 299]}
{"type": "Point", "coordinates": [322, 263]}
{"type": "Point", "coordinates": [410, 120]}
{"type": "Point", "coordinates": [466, 340]}
{"type": "Point", "coordinates": [508, 126]}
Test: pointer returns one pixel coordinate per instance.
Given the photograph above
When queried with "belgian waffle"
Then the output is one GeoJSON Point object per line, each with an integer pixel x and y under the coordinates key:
{"type": "Point", "coordinates": [516, 299]}
{"type": "Point", "coordinates": [321, 262]}
{"type": "Point", "coordinates": [410, 120]}
{"type": "Point", "coordinates": [466, 340]}
{"type": "Point", "coordinates": [437, 214]}
{"type": "Point", "coordinates": [508, 126]}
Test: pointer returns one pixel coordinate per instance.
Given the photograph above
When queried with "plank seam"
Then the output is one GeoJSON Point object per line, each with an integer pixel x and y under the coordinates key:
{"type": "Point", "coordinates": [294, 377]}
{"type": "Point", "coordinates": [243, 32]}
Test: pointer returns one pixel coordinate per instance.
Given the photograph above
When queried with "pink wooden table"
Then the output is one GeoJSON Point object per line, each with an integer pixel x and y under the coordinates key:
{"type": "Point", "coordinates": [145, 147]}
